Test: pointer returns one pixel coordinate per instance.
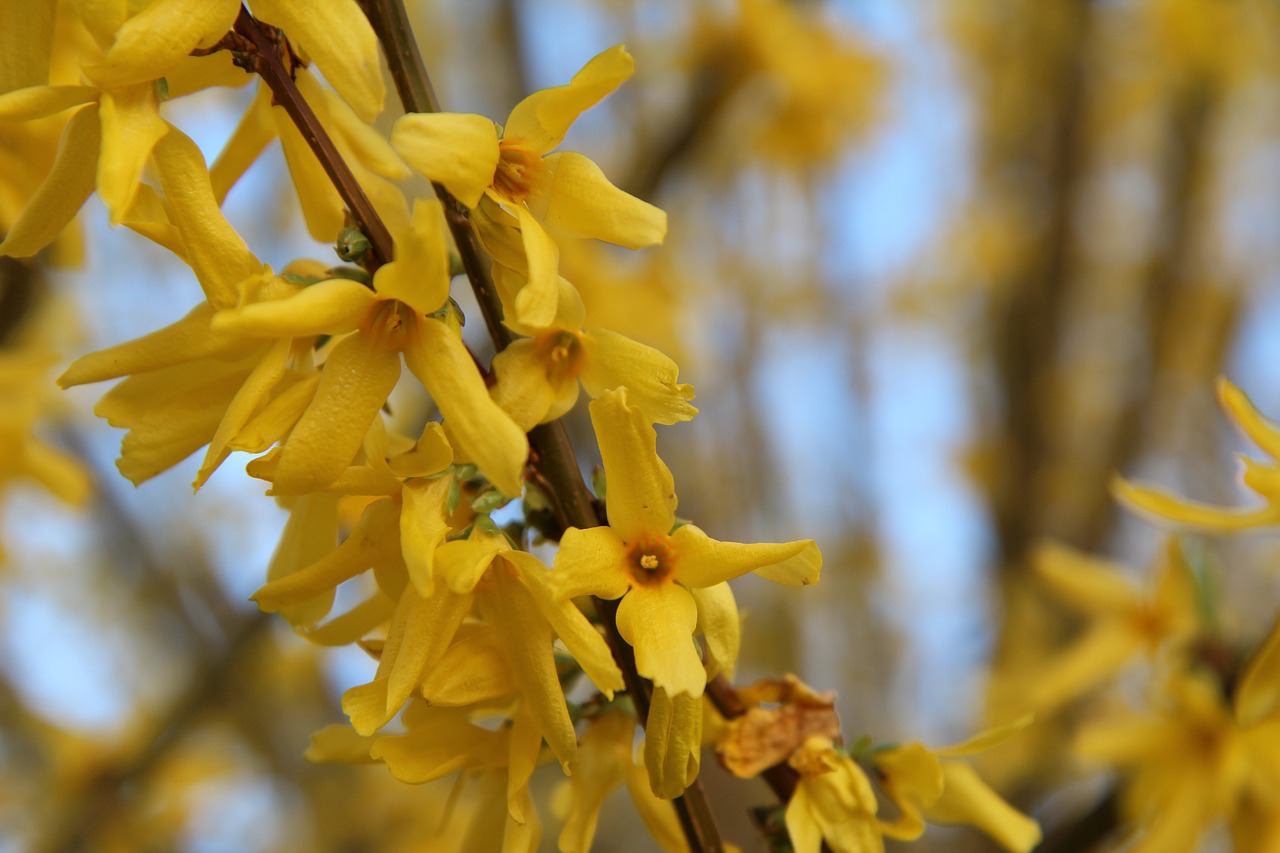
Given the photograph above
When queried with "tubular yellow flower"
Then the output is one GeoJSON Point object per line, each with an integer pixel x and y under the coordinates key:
{"type": "Point", "coordinates": [833, 802]}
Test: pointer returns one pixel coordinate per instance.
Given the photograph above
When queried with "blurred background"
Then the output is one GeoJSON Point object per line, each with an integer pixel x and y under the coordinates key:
{"type": "Point", "coordinates": [938, 270]}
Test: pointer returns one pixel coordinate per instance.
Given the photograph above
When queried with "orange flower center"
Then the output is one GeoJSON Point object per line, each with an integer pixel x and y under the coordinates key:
{"type": "Point", "coordinates": [651, 560]}
{"type": "Point", "coordinates": [561, 352]}
{"type": "Point", "coordinates": [515, 171]}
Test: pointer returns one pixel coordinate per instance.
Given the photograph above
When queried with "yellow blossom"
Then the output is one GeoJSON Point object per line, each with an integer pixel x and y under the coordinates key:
{"type": "Point", "coordinates": [833, 802]}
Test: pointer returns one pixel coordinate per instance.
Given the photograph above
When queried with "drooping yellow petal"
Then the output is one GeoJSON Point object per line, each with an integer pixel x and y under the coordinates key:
{"type": "Point", "coordinates": [641, 492]}
{"type": "Point", "coordinates": [278, 417]}
{"type": "Point", "coordinates": [131, 127]}
{"type": "Point", "coordinates": [218, 255]}
{"type": "Point", "coordinates": [424, 524]}
{"type": "Point", "coordinates": [444, 744]}
{"type": "Point", "coordinates": [193, 74]}
{"type": "Point", "coordinates": [102, 18]}
{"type": "Point", "coordinates": [612, 360]}
{"type": "Point", "coordinates": [458, 150]}
{"type": "Point", "coordinates": [251, 396]}
{"type": "Point", "coordinates": [1257, 697]}
{"type": "Point", "coordinates": [463, 562]}
{"type": "Point", "coordinates": [337, 743]}
{"type": "Point", "coordinates": [570, 310]}
{"type": "Point", "coordinates": [986, 739]}
{"type": "Point", "coordinates": [429, 625]}
{"type": "Point", "coordinates": [69, 183]}
{"type": "Point", "coordinates": [26, 40]}
{"type": "Point", "coordinates": [1162, 506]}
{"type": "Point", "coordinates": [473, 670]}
{"type": "Point", "coordinates": [522, 760]}
{"type": "Point", "coordinates": [969, 800]}
{"type": "Point", "coordinates": [322, 206]}
{"type": "Point", "coordinates": [331, 307]}
{"type": "Point", "coordinates": [659, 815]}
{"type": "Point", "coordinates": [147, 216]}
{"type": "Point", "coordinates": [482, 431]}
{"type": "Point", "coordinates": [590, 562]}
{"type": "Point", "coordinates": [658, 622]}
{"type": "Point", "coordinates": [603, 761]}
{"type": "Point", "coordinates": [430, 455]}
{"type": "Point", "coordinates": [370, 149]}
{"type": "Point", "coordinates": [363, 546]}
{"type": "Point", "coordinates": [1092, 584]}
{"type": "Point", "coordinates": [538, 301]}
{"type": "Point", "coordinates": [540, 121]}
{"type": "Point", "coordinates": [419, 275]}
{"type": "Point", "coordinates": [573, 198]}
{"type": "Point", "coordinates": [672, 741]}
{"type": "Point", "coordinates": [703, 561]}
{"type": "Point", "coordinates": [1237, 404]}
{"type": "Point", "coordinates": [310, 533]}
{"type": "Point", "coordinates": [526, 640]}
{"type": "Point", "coordinates": [718, 619]}
{"type": "Point", "coordinates": [36, 102]}
{"type": "Point", "coordinates": [256, 129]}
{"type": "Point", "coordinates": [338, 38]}
{"type": "Point", "coordinates": [155, 39]}
{"type": "Point", "coordinates": [358, 376]}
{"type": "Point", "coordinates": [912, 778]}
{"type": "Point", "coordinates": [522, 389]}
{"type": "Point", "coordinates": [579, 636]}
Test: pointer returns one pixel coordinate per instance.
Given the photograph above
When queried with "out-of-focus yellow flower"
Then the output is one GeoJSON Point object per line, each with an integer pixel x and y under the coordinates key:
{"type": "Point", "coordinates": [565, 193]}
{"type": "Point", "coordinates": [660, 573]}
{"type": "Point", "coordinates": [1124, 622]}
{"type": "Point", "coordinates": [833, 802]}
{"type": "Point", "coordinates": [1262, 477]}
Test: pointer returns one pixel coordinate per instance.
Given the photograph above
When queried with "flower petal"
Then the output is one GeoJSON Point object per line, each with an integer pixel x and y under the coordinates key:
{"type": "Point", "coordinates": [322, 206]}
{"type": "Point", "coordinates": [358, 376]}
{"type": "Point", "coordinates": [419, 275]}
{"type": "Point", "coordinates": [718, 619]}
{"type": "Point", "coordinates": [603, 761]}
{"type": "Point", "coordinates": [1237, 404]}
{"type": "Point", "coordinates": [611, 360]}
{"type": "Point", "coordinates": [338, 38]}
{"type": "Point", "coordinates": [310, 533]}
{"type": "Point", "coordinates": [1257, 697]}
{"type": "Point", "coordinates": [1091, 584]}
{"type": "Point", "coordinates": [540, 121]}
{"type": "Point", "coordinates": [64, 191]}
{"type": "Point", "coordinates": [641, 492]}
{"type": "Point", "coordinates": [331, 307]}
{"type": "Point", "coordinates": [458, 150]}
{"type": "Point", "coordinates": [480, 429]}
{"type": "Point", "coordinates": [36, 102]}
{"type": "Point", "coordinates": [131, 127]}
{"type": "Point", "coordinates": [424, 524]}
{"type": "Point", "coordinates": [703, 561]}
{"type": "Point", "coordinates": [672, 742]}
{"type": "Point", "coordinates": [969, 800]}
{"type": "Point", "coordinates": [539, 299]}
{"type": "Point", "coordinates": [1162, 506]}
{"type": "Point", "coordinates": [254, 132]}
{"type": "Point", "coordinates": [522, 389]}
{"type": "Point", "coordinates": [590, 562]}
{"type": "Point", "coordinates": [26, 42]}
{"type": "Point", "coordinates": [247, 401]}
{"type": "Point", "coordinates": [158, 37]}
{"type": "Point", "coordinates": [573, 198]}
{"type": "Point", "coordinates": [658, 622]}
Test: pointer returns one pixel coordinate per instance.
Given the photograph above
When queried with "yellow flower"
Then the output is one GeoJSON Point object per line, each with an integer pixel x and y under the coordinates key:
{"type": "Point", "coordinates": [662, 575]}
{"type": "Point", "coordinates": [833, 802]}
{"type": "Point", "coordinates": [1123, 621]}
{"type": "Point", "coordinates": [537, 378]}
{"type": "Point", "coordinates": [1263, 478]}
{"type": "Point", "coordinates": [565, 193]}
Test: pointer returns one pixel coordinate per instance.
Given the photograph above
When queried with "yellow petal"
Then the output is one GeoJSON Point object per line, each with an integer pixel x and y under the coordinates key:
{"type": "Point", "coordinates": [912, 778]}
{"type": "Point", "coordinates": [419, 275]}
{"type": "Point", "coordinates": [339, 744]}
{"type": "Point", "coordinates": [1257, 697]}
{"type": "Point", "coordinates": [61, 474]}
{"type": "Point", "coordinates": [430, 455]}
{"type": "Point", "coordinates": [64, 191]}
{"type": "Point", "coordinates": [251, 396]}
{"type": "Point", "coordinates": [424, 524]}
{"type": "Point", "coordinates": [540, 121]}
{"type": "Point", "coordinates": [1264, 432]}
{"type": "Point", "coordinates": [102, 17]}
{"type": "Point", "coordinates": [26, 40]}
{"type": "Point", "coordinates": [350, 131]}
{"type": "Point", "coordinates": [338, 38]}
{"type": "Point", "coordinates": [429, 624]}
{"type": "Point", "coordinates": [158, 37]}
{"type": "Point", "coordinates": [702, 561]}
{"type": "Point", "coordinates": [463, 562]}
{"type": "Point", "coordinates": [364, 545]}
{"type": "Point", "coordinates": [458, 150]}
{"type": "Point", "coordinates": [278, 417]}
{"type": "Point", "coordinates": [718, 620]}
{"type": "Point", "coordinates": [1092, 584]}
{"type": "Point", "coordinates": [322, 206]}
{"type": "Point", "coordinates": [672, 741]}
{"type": "Point", "coordinates": [1161, 506]}
{"type": "Point", "coordinates": [612, 360]}
{"type": "Point", "coordinates": [570, 310]}
{"type": "Point", "coordinates": [659, 815]}
{"type": "Point", "coordinates": [526, 639]}
{"type": "Point", "coordinates": [357, 378]}
{"type": "Point", "coordinates": [577, 633]}
{"type": "Point", "coordinates": [985, 740]}
{"type": "Point", "coordinates": [802, 828]}
{"type": "Point", "coordinates": [539, 299]}
{"type": "Point", "coordinates": [255, 130]}
{"type": "Point", "coordinates": [603, 761]}
{"type": "Point", "coordinates": [573, 198]}
{"type": "Point", "coordinates": [641, 492]}
{"type": "Point", "coordinates": [131, 127]}
{"type": "Point", "coordinates": [147, 216]}
{"type": "Point", "coordinates": [214, 249]}
{"type": "Point", "coordinates": [1088, 662]}
{"type": "Point", "coordinates": [658, 622]}
{"type": "Point", "coordinates": [310, 533]}
{"type": "Point", "coordinates": [522, 389]}
{"type": "Point", "coordinates": [331, 307]}
{"type": "Point", "coordinates": [967, 799]}
{"type": "Point", "coordinates": [590, 562]}
{"type": "Point", "coordinates": [194, 74]}
{"type": "Point", "coordinates": [473, 670]}
{"type": "Point", "coordinates": [36, 102]}
{"type": "Point", "coordinates": [482, 431]}
{"type": "Point", "coordinates": [447, 745]}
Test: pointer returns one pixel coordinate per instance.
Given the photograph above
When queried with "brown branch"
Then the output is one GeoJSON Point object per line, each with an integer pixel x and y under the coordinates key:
{"type": "Point", "coordinates": [552, 455]}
